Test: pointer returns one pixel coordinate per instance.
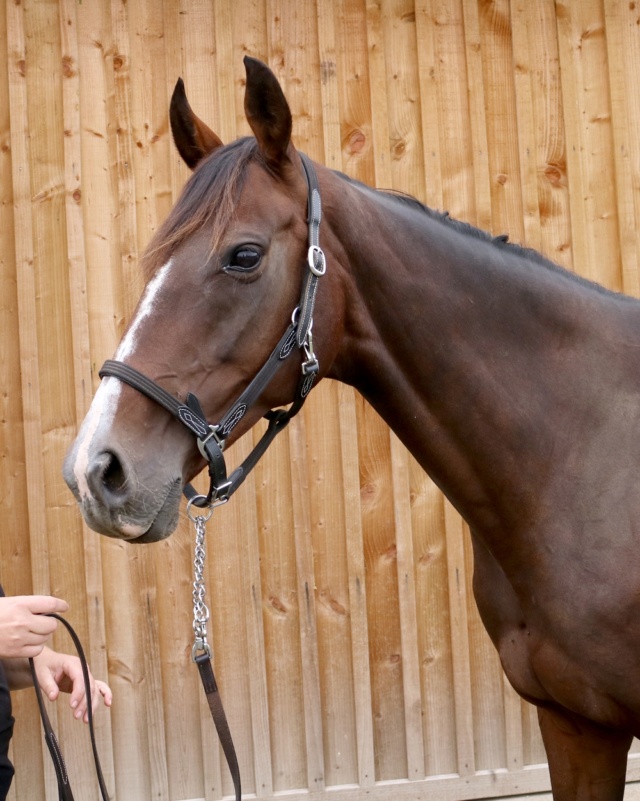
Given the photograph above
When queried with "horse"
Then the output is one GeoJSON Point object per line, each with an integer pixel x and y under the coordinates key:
{"type": "Point", "coordinates": [514, 383]}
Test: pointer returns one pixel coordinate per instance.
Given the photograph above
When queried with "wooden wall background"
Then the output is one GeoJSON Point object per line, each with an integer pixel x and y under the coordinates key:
{"type": "Point", "coordinates": [347, 644]}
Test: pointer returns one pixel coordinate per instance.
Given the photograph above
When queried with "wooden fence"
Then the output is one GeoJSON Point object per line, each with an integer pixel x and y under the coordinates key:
{"type": "Point", "coordinates": [347, 645]}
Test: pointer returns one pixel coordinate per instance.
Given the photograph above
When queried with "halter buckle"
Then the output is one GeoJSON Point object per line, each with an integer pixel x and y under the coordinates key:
{"type": "Point", "coordinates": [316, 260]}
{"type": "Point", "coordinates": [221, 494]}
{"type": "Point", "coordinates": [203, 442]}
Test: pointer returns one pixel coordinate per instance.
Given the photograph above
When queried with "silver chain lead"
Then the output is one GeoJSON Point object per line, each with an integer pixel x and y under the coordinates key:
{"type": "Point", "coordinates": [200, 609]}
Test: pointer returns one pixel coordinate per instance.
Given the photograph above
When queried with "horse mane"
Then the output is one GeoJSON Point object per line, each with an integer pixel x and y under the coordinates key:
{"type": "Point", "coordinates": [209, 196]}
{"type": "Point", "coordinates": [501, 241]}
{"type": "Point", "coordinates": [467, 228]}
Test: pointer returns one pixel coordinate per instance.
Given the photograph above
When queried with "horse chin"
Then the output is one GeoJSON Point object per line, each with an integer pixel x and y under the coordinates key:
{"type": "Point", "coordinates": [156, 533]}
{"type": "Point", "coordinates": [127, 524]}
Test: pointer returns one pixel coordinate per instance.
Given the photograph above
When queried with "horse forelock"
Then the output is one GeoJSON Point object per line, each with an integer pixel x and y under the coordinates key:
{"type": "Point", "coordinates": [209, 197]}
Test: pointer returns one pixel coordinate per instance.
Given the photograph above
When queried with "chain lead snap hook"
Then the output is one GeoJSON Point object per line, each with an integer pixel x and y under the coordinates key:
{"type": "Point", "coordinates": [200, 647]}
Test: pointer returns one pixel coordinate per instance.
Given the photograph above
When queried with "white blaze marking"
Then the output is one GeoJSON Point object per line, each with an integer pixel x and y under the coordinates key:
{"type": "Point", "coordinates": [104, 404]}
{"type": "Point", "coordinates": [145, 307]}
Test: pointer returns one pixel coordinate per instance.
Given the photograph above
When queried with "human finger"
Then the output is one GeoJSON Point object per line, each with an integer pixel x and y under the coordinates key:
{"type": "Point", "coordinates": [43, 604]}
{"type": "Point", "coordinates": [100, 691]}
{"type": "Point", "coordinates": [42, 625]}
{"type": "Point", "coordinates": [31, 651]}
{"type": "Point", "coordinates": [78, 698]}
{"type": "Point", "coordinates": [103, 691]}
{"type": "Point", "coordinates": [48, 683]}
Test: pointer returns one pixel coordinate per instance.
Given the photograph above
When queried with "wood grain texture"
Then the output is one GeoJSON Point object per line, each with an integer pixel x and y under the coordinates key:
{"type": "Point", "coordinates": [348, 649]}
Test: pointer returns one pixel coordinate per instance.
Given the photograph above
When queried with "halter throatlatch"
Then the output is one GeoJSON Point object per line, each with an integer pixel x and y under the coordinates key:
{"type": "Point", "coordinates": [211, 438]}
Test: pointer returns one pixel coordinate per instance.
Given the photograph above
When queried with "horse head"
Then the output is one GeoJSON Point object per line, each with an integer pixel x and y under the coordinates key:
{"type": "Point", "coordinates": [224, 274]}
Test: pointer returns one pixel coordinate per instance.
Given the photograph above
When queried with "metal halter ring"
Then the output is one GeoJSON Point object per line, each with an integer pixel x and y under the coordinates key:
{"type": "Point", "coordinates": [204, 517]}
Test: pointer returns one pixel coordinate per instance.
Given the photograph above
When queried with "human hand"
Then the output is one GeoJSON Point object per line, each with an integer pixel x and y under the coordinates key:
{"type": "Point", "coordinates": [61, 672]}
{"type": "Point", "coordinates": [24, 625]}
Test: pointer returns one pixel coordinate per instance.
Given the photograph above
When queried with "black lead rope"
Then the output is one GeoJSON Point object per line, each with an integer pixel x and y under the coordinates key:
{"type": "Point", "coordinates": [202, 660]}
{"type": "Point", "coordinates": [64, 788]}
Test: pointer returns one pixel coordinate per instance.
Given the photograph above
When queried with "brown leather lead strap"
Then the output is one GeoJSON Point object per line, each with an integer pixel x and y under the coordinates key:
{"type": "Point", "coordinates": [203, 661]}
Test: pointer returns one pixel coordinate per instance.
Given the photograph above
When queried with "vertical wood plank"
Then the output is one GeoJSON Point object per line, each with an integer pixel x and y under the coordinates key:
{"type": "Point", "coordinates": [408, 613]}
{"type": "Point", "coordinates": [281, 617]}
{"type": "Point", "coordinates": [354, 87]}
{"type": "Point", "coordinates": [249, 557]}
{"type": "Point", "coordinates": [458, 595]}
{"type": "Point", "coordinates": [403, 111]}
{"type": "Point", "coordinates": [357, 589]}
{"type": "Point", "coordinates": [307, 608]}
{"type": "Point", "coordinates": [430, 122]}
{"type": "Point", "coordinates": [623, 54]}
{"type": "Point", "coordinates": [140, 768]}
{"type": "Point", "coordinates": [501, 119]}
{"type": "Point", "coordinates": [541, 129]}
{"type": "Point", "coordinates": [527, 146]}
{"type": "Point", "coordinates": [328, 514]}
{"type": "Point", "coordinates": [149, 126]}
{"type": "Point", "coordinates": [28, 343]}
{"type": "Point", "coordinates": [380, 126]}
{"type": "Point", "coordinates": [171, 652]}
{"type": "Point", "coordinates": [95, 645]}
{"type": "Point", "coordinates": [29, 352]}
{"type": "Point", "coordinates": [329, 91]}
{"type": "Point", "coordinates": [433, 622]}
{"type": "Point", "coordinates": [380, 552]}
{"type": "Point", "coordinates": [479, 134]}
{"type": "Point", "coordinates": [587, 118]}
{"type": "Point", "coordinates": [122, 217]}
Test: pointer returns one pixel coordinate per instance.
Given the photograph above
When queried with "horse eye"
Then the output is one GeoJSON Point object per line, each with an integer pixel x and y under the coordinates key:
{"type": "Point", "coordinates": [244, 259]}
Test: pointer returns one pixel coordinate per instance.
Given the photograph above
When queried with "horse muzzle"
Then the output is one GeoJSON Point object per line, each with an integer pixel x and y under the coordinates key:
{"type": "Point", "coordinates": [111, 501]}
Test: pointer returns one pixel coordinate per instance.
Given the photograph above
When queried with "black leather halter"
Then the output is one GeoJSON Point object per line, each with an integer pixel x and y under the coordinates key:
{"type": "Point", "coordinates": [211, 438]}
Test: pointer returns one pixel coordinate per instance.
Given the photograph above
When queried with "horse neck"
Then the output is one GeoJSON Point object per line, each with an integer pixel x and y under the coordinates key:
{"type": "Point", "coordinates": [458, 344]}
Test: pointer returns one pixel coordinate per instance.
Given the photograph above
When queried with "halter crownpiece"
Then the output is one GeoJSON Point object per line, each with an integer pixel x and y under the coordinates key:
{"type": "Point", "coordinates": [211, 438]}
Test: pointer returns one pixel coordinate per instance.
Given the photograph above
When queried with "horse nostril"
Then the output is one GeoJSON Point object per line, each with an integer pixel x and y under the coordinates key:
{"type": "Point", "coordinates": [106, 475]}
{"type": "Point", "coordinates": [113, 476]}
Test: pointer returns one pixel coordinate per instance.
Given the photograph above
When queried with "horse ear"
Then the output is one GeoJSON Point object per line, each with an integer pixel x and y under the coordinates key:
{"type": "Point", "coordinates": [267, 112]}
{"type": "Point", "coordinates": [193, 138]}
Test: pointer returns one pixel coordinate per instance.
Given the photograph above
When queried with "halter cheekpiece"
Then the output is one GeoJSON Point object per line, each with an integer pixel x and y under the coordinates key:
{"type": "Point", "coordinates": [211, 438]}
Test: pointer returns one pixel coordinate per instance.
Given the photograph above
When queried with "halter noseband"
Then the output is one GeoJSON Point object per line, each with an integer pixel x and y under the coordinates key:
{"type": "Point", "coordinates": [211, 438]}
